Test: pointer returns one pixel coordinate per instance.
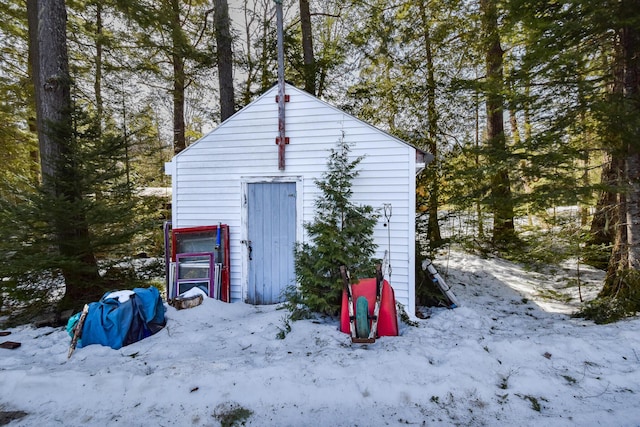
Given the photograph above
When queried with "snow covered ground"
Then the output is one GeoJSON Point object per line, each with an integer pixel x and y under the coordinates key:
{"type": "Point", "coordinates": [510, 355]}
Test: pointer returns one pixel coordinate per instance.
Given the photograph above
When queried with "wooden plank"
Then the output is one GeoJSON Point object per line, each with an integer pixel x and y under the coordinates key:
{"type": "Point", "coordinates": [10, 345]}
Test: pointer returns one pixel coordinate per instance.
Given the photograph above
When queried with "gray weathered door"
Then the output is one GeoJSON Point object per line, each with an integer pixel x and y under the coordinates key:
{"type": "Point", "coordinates": [271, 222]}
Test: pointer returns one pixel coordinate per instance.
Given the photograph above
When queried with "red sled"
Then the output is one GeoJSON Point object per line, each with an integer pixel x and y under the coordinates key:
{"type": "Point", "coordinates": [387, 318]}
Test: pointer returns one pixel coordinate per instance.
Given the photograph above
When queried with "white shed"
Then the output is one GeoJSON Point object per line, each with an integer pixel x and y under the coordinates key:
{"type": "Point", "coordinates": [232, 176]}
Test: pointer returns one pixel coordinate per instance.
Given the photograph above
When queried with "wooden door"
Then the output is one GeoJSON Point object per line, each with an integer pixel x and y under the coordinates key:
{"type": "Point", "coordinates": [271, 236]}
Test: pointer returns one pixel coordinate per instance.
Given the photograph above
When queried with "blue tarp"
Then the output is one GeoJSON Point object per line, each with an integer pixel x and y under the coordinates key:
{"type": "Point", "coordinates": [115, 324]}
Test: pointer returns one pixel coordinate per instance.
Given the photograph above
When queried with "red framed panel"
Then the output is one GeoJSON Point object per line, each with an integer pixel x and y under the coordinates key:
{"type": "Point", "coordinates": [203, 239]}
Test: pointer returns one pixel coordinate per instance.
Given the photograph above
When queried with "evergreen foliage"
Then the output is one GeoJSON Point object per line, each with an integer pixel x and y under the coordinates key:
{"type": "Point", "coordinates": [172, 49]}
{"type": "Point", "coordinates": [31, 220]}
{"type": "Point", "coordinates": [414, 68]}
{"type": "Point", "coordinates": [340, 234]}
{"type": "Point", "coordinates": [18, 147]}
{"type": "Point", "coordinates": [612, 307]}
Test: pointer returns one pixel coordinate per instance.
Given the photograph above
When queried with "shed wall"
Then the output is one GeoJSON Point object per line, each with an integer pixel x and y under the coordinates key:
{"type": "Point", "coordinates": [209, 176]}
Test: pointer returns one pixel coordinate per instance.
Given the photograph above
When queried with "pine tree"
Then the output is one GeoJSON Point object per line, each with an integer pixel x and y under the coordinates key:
{"type": "Point", "coordinates": [60, 170]}
{"type": "Point", "coordinates": [340, 234]}
{"type": "Point", "coordinates": [502, 202]}
{"type": "Point", "coordinates": [623, 273]}
{"type": "Point", "coordinates": [33, 219]}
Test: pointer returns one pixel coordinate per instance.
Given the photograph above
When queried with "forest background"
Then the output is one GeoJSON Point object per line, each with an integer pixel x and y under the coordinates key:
{"type": "Point", "coordinates": [527, 106]}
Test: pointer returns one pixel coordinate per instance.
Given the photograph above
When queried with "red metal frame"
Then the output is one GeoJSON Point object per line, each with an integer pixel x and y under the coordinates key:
{"type": "Point", "coordinates": [226, 255]}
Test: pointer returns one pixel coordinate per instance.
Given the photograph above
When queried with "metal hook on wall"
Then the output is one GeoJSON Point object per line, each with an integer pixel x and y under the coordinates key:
{"type": "Point", "coordinates": [387, 215]}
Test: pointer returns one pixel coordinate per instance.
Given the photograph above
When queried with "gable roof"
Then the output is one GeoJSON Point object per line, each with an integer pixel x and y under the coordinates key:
{"type": "Point", "coordinates": [422, 157]}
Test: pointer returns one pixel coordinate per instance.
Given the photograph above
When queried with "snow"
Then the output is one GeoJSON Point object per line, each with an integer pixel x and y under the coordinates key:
{"type": "Point", "coordinates": [509, 355]}
{"type": "Point", "coordinates": [121, 296]}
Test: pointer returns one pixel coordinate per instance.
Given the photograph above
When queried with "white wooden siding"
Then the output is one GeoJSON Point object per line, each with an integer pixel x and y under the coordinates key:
{"type": "Point", "coordinates": [208, 176]}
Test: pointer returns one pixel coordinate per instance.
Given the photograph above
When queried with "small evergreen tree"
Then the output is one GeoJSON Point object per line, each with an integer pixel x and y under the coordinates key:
{"type": "Point", "coordinates": [340, 234]}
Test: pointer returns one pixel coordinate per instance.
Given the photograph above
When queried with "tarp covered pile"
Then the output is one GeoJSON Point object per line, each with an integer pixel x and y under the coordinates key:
{"type": "Point", "coordinates": [121, 318]}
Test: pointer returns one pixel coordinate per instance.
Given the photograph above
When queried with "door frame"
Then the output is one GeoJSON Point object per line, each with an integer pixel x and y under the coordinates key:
{"type": "Point", "coordinates": [244, 217]}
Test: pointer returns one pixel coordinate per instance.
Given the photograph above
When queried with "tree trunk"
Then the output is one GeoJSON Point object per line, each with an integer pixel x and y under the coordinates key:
{"type": "Point", "coordinates": [179, 139]}
{"type": "Point", "coordinates": [625, 256]}
{"type": "Point", "coordinates": [584, 144]}
{"type": "Point", "coordinates": [605, 217]}
{"type": "Point", "coordinates": [225, 59]}
{"type": "Point", "coordinates": [266, 54]}
{"type": "Point", "coordinates": [608, 209]}
{"type": "Point", "coordinates": [586, 183]}
{"type": "Point", "coordinates": [248, 59]}
{"type": "Point", "coordinates": [502, 203]}
{"type": "Point", "coordinates": [307, 48]}
{"type": "Point", "coordinates": [50, 74]}
{"type": "Point", "coordinates": [433, 226]}
{"type": "Point", "coordinates": [631, 51]}
{"type": "Point", "coordinates": [615, 285]}
{"type": "Point", "coordinates": [476, 159]}
{"type": "Point", "coordinates": [97, 84]}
